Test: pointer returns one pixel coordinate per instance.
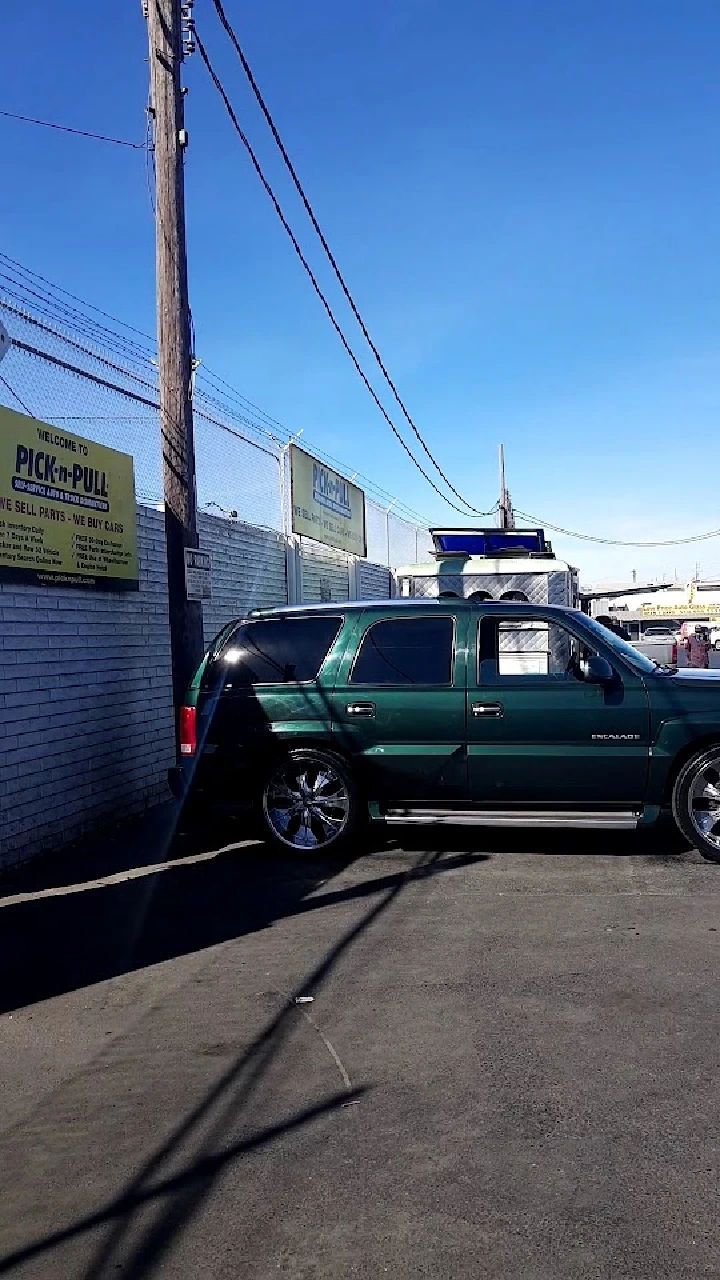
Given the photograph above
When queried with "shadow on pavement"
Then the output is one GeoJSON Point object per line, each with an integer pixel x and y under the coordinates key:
{"type": "Point", "coordinates": [72, 937]}
{"type": "Point", "coordinates": [59, 933]}
{"type": "Point", "coordinates": [56, 937]}
{"type": "Point", "coordinates": [137, 1227]}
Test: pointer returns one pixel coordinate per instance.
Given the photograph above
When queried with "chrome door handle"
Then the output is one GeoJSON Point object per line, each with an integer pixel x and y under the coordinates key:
{"type": "Point", "coordinates": [361, 710]}
{"type": "Point", "coordinates": [487, 710]}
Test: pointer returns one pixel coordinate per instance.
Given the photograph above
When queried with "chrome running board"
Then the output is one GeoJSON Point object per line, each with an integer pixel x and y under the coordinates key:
{"type": "Point", "coordinates": [618, 821]}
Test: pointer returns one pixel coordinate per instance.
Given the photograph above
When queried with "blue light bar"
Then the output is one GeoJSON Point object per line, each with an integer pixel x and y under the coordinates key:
{"type": "Point", "coordinates": [489, 542]}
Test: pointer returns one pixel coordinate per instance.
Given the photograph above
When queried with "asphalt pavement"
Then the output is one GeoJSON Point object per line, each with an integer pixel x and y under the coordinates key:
{"type": "Point", "coordinates": [469, 1054]}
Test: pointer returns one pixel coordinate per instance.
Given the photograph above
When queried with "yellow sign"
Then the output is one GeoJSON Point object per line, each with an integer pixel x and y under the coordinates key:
{"type": "Point", "coordinates": [67, 509]}
{"type": "Point", "coordinates": [325, 505]}
{"type": "Point", "coordinates": [675, 610]}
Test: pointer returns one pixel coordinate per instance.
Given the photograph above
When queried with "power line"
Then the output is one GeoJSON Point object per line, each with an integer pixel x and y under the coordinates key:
{"type": "Point", "coordinates": [15, 396]}
{"type": "Point", "coordinates": [87, 351]}
{"type": "Point", "coordinates": [618, 542]}
{"type": "Point", "coordinates": [52, 289]}
{"type": "Point", "coordinates": [233, 403]}
{"type": "Point", "coordinates": [308, 269]}
{"type": "Point", "coordinates": [122, 391]}
{"type": "Point", "coordinates": [126, 346]}
{"type": "Point", "coordinates": [331, 257]}
{"type": "Point", "coordinates": [67, 314]}
{"type": "Point", "coordinates": [81, 133]}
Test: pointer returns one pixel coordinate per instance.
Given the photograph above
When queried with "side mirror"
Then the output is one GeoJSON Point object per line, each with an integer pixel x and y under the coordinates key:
{"type": "Point", "coordinates": [596, 670]}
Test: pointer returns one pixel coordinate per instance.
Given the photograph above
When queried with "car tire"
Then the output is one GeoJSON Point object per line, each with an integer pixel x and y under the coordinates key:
{"type": "Point", "coordinates": [309, 802]}
{"type": "Point", "coordinates": [696, 802]}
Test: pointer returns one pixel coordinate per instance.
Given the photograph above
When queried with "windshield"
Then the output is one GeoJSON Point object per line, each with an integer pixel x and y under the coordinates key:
{"type": "Point", "coordinates": [624, 650]}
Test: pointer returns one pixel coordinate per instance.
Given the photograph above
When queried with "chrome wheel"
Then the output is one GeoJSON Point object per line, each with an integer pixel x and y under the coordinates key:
{"type": "Point", "coordinates": [704, 801]}
{"type": "Point", "coordinates": [306, 804]}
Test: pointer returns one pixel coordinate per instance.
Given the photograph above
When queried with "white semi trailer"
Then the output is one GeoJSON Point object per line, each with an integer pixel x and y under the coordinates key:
{"type": "Point", "coordinates": [492, 564]}
{"type": "Point", "coordinates": [499, 564]}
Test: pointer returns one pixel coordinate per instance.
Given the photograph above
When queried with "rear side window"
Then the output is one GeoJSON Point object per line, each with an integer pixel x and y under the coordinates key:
{"type": "Point", "coordinates": [277, 651]}
{"type": "Point", "coordinates": [406, 651]}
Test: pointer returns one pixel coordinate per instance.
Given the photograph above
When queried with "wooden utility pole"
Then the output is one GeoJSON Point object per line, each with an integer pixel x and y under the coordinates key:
{"type": "Point", "coordinates": [165, 38]}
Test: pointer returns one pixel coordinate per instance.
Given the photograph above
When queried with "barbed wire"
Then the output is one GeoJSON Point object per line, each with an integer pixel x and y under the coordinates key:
{"type": "Point", "coordinates": [65, 365]}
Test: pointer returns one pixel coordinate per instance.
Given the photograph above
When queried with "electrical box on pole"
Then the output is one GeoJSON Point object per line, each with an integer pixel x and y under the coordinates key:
{"type": "Point", "coordinates": [168, 22]}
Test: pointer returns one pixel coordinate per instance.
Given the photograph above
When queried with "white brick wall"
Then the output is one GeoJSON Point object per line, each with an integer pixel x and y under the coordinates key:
{"type": "Point", "coordinates": [248, 570]}
{"type": "Point", "coordinates": [86, 717]}
{"type": "Point", "coordinates": [86, 728]}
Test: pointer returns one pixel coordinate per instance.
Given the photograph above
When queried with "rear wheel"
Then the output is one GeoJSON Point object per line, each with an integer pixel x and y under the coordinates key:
{"type": "Point", "coordinates": [310, 802]}
{"type": "Point", "coordinates": [696, 802]}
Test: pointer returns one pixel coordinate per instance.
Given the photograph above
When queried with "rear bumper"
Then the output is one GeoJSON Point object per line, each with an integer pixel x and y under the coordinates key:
{"type": "Point", "coordinates": [214, 780]}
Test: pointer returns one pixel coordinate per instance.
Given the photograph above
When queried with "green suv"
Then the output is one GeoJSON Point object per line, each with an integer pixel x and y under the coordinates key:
{"type": "Point", "coordinates": [447, 710]}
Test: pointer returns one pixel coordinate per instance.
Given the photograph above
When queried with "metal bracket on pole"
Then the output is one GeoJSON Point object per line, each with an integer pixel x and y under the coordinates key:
{"type": "Point", "coordinates": [187, 27]}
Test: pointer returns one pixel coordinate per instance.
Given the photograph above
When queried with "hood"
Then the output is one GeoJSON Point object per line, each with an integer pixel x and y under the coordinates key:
{"type": "Point", "coordinates": [697, 673]}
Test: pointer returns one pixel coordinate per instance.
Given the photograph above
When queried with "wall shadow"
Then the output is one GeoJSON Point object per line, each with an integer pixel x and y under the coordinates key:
{"type": "Point", "coordinates": [66, 939]}
{"type": "Point", "coordinates": [69, 939]}
{"type": "Point", "coordinates": [179, 1173]}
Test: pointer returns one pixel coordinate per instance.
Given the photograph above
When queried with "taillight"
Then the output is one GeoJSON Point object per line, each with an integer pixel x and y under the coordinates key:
{"type": "Point", "coordinates": [188, 733]}
{"type": "Point", "coordinates": [674, 654]}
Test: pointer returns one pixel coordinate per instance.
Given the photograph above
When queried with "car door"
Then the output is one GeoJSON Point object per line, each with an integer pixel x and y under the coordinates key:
{"type": "Point", "coordinates": [399, 705]}
{"type": "Point", "coordinates": [539, 734]}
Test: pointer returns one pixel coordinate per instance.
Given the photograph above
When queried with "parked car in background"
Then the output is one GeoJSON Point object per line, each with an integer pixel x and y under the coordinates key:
{"type": "Point", "coordinates": [495, 713]}
{"type": "Point", "coordinates": [659, 631]}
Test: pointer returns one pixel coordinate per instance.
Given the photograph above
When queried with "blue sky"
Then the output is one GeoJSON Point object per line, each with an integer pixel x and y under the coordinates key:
{"type": "Point", "coordinates": [524, 199]}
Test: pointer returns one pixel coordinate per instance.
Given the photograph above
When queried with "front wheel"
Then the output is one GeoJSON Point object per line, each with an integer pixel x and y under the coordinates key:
{"type": "Point", "coordinates": [310, 801]}
{"type": "Point", "coordinates": [696, 802]}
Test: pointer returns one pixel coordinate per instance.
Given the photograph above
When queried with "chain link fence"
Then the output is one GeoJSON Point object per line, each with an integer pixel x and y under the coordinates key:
{"type": "Point", "coordinates": [71, 365]}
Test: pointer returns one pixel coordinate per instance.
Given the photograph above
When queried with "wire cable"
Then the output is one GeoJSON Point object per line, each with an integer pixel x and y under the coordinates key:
{"type": "Point", "coordinates": [56, 288]}
{"type": "Point", "coordinates": [235, 405]}
{"type": "Point", "coordinates": [331, 257]}
{"type": "Point", "coordinates": [308, 269]}
{"type": "Point", "coordinates": [617, 542]}
{"type": "Point", "coordinates": [81, 133]}
{"type": "Point", "coordinates": [15, 396]}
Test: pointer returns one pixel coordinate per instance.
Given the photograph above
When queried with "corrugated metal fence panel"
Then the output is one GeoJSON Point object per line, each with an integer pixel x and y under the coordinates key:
{"type": "Point", "coordinates": [374, 581]}
{"type": "Point", "coordinates": [325, 573]}
{"type": "Point", "coordinates": [249, 570]}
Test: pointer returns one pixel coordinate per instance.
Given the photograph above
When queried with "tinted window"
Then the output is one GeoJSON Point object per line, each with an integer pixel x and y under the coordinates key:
{"type": "Point", "coordinates": [277, 651]}
{"type": "Point", "coordinates": [406, 651]}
